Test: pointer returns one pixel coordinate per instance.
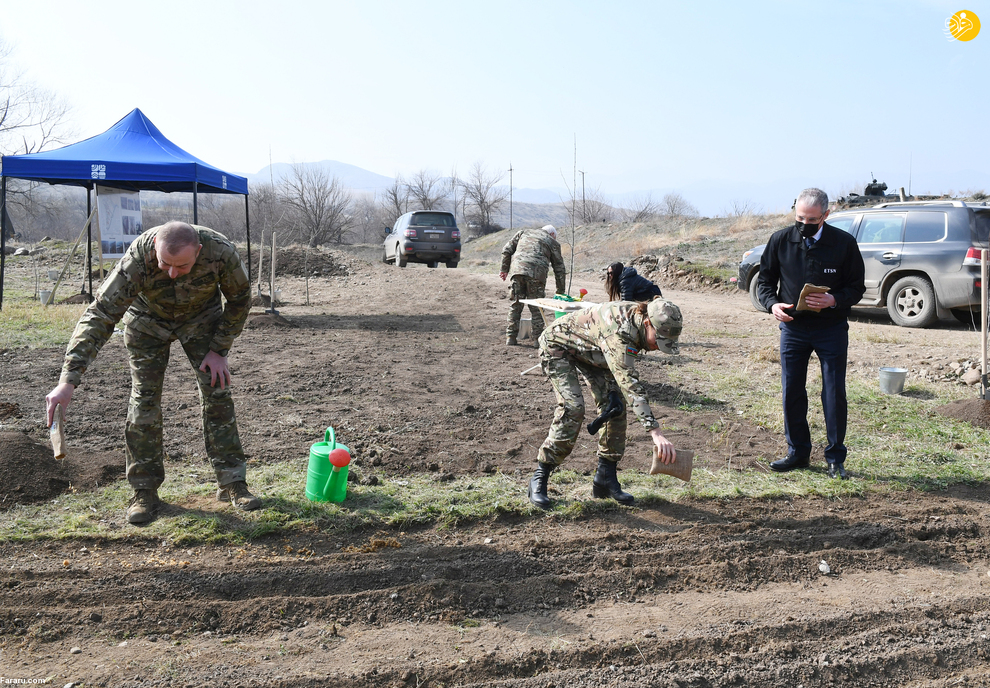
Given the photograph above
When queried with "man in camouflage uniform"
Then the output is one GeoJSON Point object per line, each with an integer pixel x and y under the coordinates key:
{"type": "Point", "coordinates": [166, 287]}
{"type": "Point", "coordinates": [526, 260]}
{"type": "Point", "coordinates": [600, 344]}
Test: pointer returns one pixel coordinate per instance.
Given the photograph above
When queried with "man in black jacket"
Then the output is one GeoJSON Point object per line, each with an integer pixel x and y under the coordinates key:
{"type": "Point", "coordinates": [812, 252]}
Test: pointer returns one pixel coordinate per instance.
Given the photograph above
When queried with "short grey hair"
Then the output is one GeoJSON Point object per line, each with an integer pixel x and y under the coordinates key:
{"type": "Point", "coordinates": [813, 196]}
{"type": "Point", "coordinates": [174, 236]}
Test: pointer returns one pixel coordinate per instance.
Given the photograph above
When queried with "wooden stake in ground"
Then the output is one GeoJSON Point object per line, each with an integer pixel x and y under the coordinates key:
{"type": "Point", "coordinates": [983, 322]}
{"type": "Point", "coordinates": [271, 287]}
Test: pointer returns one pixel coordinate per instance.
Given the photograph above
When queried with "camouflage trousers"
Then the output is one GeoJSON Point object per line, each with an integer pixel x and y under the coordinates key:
{"type": "Point", "coordinates": [565, 376]}
{"type": "Point", "coordinates": [143, 429]}
{"type": "Point", "coordinates": [525, 288]}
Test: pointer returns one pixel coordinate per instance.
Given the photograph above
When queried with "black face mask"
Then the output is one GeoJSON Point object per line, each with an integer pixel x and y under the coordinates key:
{"type": "Point", "coordinates": [807, 231]}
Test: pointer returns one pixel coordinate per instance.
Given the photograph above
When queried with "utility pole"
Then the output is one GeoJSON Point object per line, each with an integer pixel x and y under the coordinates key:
{"type": "Point", "coordinates": [510, 194]}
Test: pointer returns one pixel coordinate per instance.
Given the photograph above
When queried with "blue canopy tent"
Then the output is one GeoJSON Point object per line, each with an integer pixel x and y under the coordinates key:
{"type": "Point", "coordinates": [132, 155]}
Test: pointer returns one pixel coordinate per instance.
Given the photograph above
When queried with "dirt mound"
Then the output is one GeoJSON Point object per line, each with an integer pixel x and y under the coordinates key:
{"type": "Point", "coordinates": [9, 410]}
{"type": "Point", "coordinates": [973, 411]}
{"type": "Point", "coordinates": [292, 261]}
{"type": "Point", "coordinates": [29, 473]}
{"type": "Point", "coordinates": [670, 271]}
{"type": "Point", "coordinates": [261, 321]}
{"type": "Point", "coordinates": [263, 300]}
{"type": "Point", "coordinates": [77, 298]}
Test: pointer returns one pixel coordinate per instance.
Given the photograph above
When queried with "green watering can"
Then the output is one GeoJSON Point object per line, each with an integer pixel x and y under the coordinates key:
{"type": "Point", "coordinates": [326, 479]}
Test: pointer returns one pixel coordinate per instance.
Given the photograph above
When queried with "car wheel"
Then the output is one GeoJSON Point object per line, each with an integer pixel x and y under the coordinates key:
{"type": "Point", "coordinates": [754, 297]}
{"type": "Point", "coordinates": [911, 302]}
{"type": "Point", "coordinates": [451, 263]}
{"type": "Point", "coordinates": [969, 317]}
{"type": "Point", "coordinates": [400, 260]}
{"type": "Point", "coordinates": [432, 264]}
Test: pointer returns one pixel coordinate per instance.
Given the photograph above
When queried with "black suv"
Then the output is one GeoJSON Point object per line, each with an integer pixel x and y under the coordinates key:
{"type": "Point", "coordinates": [922, 258]}
{"type": "Point", "coordinates": [423, 236]}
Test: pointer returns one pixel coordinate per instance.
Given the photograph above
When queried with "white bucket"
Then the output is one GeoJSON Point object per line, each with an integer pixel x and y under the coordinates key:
{"type": "Point", "coordinates": [525, 327]}
{"type": "Point", "coordinates": [44, 295]}
{"type": "Point", "coordinates": [278, 296]}
{"type": "Point", "coordinates": [892, 380]}
{"type": "Point", "coordinates": [53, 275]}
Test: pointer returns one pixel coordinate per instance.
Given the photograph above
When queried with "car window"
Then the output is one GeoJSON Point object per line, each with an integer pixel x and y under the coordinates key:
{"type": "Point", "coordinates": [881, 229]}
{"type": "Point", "coordinates": [983, 226]}
{"type": "Point", "coordinates": [924, 226]}
{"type": "Point", "coordinates": [844, 222]}
{"type": "Point", "coordinates": [431, 220]}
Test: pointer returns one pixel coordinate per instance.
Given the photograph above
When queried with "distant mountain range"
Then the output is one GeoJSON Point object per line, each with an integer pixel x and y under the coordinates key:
{"type": "Point", "coordinates": [359, 179]}
{"type": "Point", "coordinates": [710, 197]}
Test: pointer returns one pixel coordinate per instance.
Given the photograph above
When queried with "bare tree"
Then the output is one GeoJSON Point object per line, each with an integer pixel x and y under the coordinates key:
{"type": "Point", "coordinates": [31, 119]}
{"type": "Point", "coordinates": [393, 201]}
{"type": "Point", "coordinates": [675, 205]}
{"type": "Point", "coordinates": [483, 197]}
{"type": "Point", "coordinates": [641, 209]}
{"type": "Point", "coordinates": [223, 213]}
{"type": "Point", "coordinates": [596, 208]}
{"type": "Point", "coordinates": [740, 208]}
{"type": "Point", "coordinates": [158, 208]}
{"type": "Point", "coordinates": [320, 203]}
{"type": "Point", "coordinates": [369, 223]}
{"type": "Point", "coordinates": [427, 189]}
{"type": "Point", "coordinates": [453, 184]}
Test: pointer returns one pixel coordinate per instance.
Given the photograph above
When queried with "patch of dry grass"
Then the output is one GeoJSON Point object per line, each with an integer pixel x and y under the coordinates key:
{"type": "Point", "coordinates": [766, 354]}
{"type": "Point", "coordinates": [29, 323]}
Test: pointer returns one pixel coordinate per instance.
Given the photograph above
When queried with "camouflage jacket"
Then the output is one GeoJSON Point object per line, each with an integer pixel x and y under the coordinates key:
{"type": "Point", "coordinates": [531, 252]}
{"type": "Point", "coordinates": [607, 336]}
{"type": "Point", "coordinates": [151, 302]}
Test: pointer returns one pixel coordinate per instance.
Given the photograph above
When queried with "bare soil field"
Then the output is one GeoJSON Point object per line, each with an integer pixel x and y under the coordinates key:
{"type": "Point", "coordinates": [409, 366]}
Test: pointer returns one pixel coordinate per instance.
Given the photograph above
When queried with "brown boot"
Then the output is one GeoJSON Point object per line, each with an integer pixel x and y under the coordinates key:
{"type": "Point", "coordinates": [238, 495]}
{"type": "Point", "coordinates": [511, 341]}
{"type": "Point", "coordinates": [143, 505]}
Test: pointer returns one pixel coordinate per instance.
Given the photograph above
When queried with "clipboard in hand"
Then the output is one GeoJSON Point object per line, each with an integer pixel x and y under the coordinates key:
{"type": "Point", "coordinates": [802, 304]}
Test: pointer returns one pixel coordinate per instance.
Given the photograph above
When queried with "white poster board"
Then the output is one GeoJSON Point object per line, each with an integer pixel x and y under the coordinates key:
{"type": "Point", "coordinates": [119, 220]}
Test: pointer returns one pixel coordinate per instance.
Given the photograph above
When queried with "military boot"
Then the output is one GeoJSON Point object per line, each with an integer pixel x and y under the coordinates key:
{"type": "Point", "coordinates": [511, 340]}
{"type": "Point", "coordinates": [606, 484]}
{"type": "Point", "coordinates": [238, 495]}
{"type": "Point", "coordinates": [143, 505]}
{"type": "Point", "coordinates": [538, 485]}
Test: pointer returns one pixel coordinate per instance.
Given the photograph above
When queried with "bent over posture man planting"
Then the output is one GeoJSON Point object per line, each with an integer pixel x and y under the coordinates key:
{"type": "Point", "coordinates": [167, 287]}
{"type": "Point", "coordinates": [600, 344]}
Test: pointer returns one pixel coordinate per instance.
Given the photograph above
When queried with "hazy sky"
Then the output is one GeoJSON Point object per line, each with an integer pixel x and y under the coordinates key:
{"type": "Point", "coordinates": [752, 97]}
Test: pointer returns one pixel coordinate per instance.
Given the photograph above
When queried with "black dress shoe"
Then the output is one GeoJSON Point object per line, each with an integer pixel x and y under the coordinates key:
{"type": "Point", "coordinates": [789, 464]}
{"type": "Point", "coordinates": [837, 470]}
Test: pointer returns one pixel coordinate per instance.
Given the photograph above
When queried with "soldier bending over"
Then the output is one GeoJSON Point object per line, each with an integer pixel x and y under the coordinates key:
{"type": "Point", "coordinates": [167, 287]}
{"type": "Point", "coordinates": [600, 344]}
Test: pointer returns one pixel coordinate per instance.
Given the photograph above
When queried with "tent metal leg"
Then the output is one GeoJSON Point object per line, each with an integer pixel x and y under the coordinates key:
{"type": "Point", "coordinates": [89, 243]}
{"type": "Point", "coordinates": [3, 233]}
{"type": "Point", "coordinates": [247, 225]}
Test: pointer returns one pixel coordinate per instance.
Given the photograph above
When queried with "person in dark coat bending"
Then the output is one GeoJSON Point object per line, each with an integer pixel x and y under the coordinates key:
{"type": "Point", "coordinates": [812, 252]}
{"type": "Point", "coordinates": [625, 284]}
